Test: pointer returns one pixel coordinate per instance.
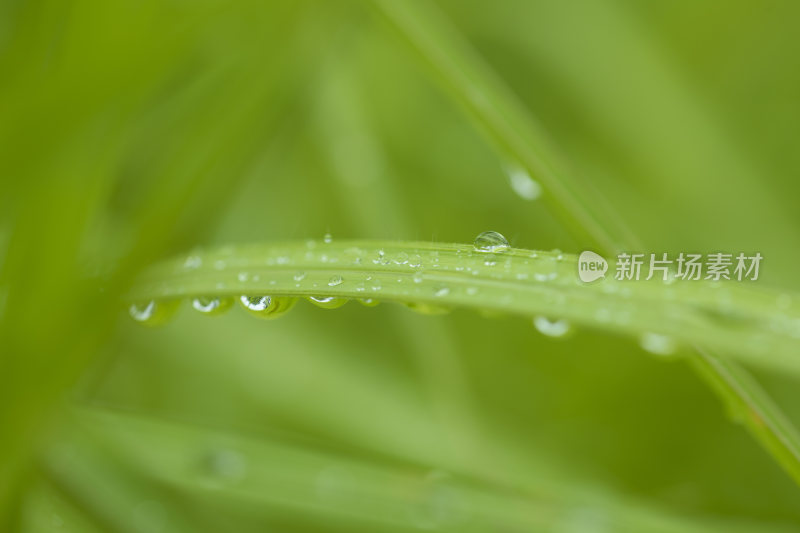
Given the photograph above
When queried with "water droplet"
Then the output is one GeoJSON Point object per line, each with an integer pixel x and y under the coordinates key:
{"type": "Point", "coordinates": [657, 344]}
{"type": "Point", "coordinates": [546, 269]}
{"type": "Point", "coordinates": [472, 291]}
{"type": "Point", "coordinates": [335, 280]}
{"type": "Point", "coordinates": [153, 313]}
{"type": "Point", "coordinates": [267, 307]}
{"type": "Point", "coordinates": [490, 241]}
{"type": "Point", "coordinates": [243, 276]}
{"type": "Point", "coordinates": [327, 302]}
{"type": "Point", "coordinates": [299, 275]}
{"type": "Point", "coordinates": [193, 262]}
{"type": "Point", "coordinates": [441, 292]}
{"type": "Point", "coordinates": [368, 302]}
{"type": "Point", "coordinates": [256, 303]}
{"type": "Point", "coordinates": [228, 466]}
{"type": "Point", "coordinates": [521, 183]}
{"type": "Point", "coordinates": [418, 276]}
{"type": "Point", "coordinates": [401, 258]}
{"type": "Point", "coordinates": [211, 305]}
{"type": "Point", "coordinates": [551, 328]}
{"type": "Point", "coordinates": [327, 238]}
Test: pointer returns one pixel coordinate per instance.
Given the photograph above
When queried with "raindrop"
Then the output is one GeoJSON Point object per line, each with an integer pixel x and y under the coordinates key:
{"type": "Point", "coordinates": [368, 302]}
{"type": "Point", "coordinates": [153, 313]}
{"type": "Point", "coordinates": [441, 292]}
{"type": "Point", "coordinates": [546, 269]}
{"type": "Point", "coordinates": [401, 258]}
{"type": "Point", "coordinates": [418, 276]}
{"type": "Point", "coordinates": [490, 241]}
{"type": "Point", "coordinates": [192, 262]}
{"type": "Point", "coordinates": [521, 183]}
{"type": "Point", "coordinates": [267, 307]}
{"type": "Point", "coordinates": [327, 238]}
{"type": "Point", "coordinates": [551, 328]}
{"type": "Point", "coordinates": [211, 305]}
{"type": "Point", "coordinates": [256, 303]}
{"type": "Point", "coordinates": [327, 302]}
{"type": "Point", "coordinates": [335, 280]}
{"type": "Point", "coordinates": [299, 275]}
{"type": "Point", "coordinates": [227, 465]}
{"type": "Point", "coordinates": [657, 344]}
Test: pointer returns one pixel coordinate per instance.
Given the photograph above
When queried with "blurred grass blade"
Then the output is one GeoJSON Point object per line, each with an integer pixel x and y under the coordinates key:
{"type": "Point", "coordinates": [504, 121]}
{"type": "Point", "coordinates": [255, 480]}
{"type": "Point", "coordinates": [498, 114]}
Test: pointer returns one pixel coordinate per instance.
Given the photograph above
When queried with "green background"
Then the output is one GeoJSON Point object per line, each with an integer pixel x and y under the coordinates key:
{"type": "Point", "coordinates": [132, 131]}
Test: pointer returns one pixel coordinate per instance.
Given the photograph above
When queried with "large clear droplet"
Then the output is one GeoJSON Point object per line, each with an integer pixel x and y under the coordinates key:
{"type": "Point", "coordinates": [211, 305]}
{"type": "Point", "coordinates": [267, 307]}
{"type": "Point", "coordinates": [153, 312]}
{"type": "Point", "coordinates": [327, 302]}
{"type": "Point", "coordinates": [551, 328]}
{"type": "Point", "coordinates": [490, 241]}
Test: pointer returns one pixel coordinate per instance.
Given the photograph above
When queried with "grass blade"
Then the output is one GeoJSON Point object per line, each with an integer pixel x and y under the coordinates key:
{"type": "Point", "coordinates": [433, 276]}
{"type": "Point", "coordinates": [498, 114]}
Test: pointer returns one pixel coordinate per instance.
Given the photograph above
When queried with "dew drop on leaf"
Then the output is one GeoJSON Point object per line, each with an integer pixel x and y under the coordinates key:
{"type": "Point", "coordinates": [490, 241]}
{"type": "Point", "coordinates": [153, 313]}
{"type": "Point", "coordinates": [327, 302]}
{"type": "Point", "coordinates": [657, 344]}
{"type": "Point", "coordinates": [521, 183]}
{"type": "Point", "coordinates": [327, 238]}
{"type": "Point", "coordinates": [228, 466]}
{"type": "Point", "coordinates": [335, 280]}
{"type": "Point", "coordinates": [551, 328]}
{"type": "Point", "coordinates": [267, 307]}
{"type": "Point", "coordinates": [192, 262]}
{"type": "Point", "coordinates": [211, 305]}
{"type": "Point", "coordinates": [545, 269]}
{"type": "Point", "coordinates": [256, 303]}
